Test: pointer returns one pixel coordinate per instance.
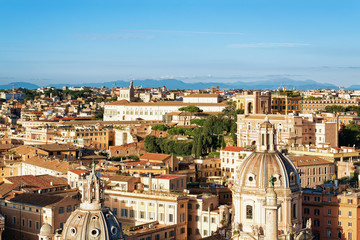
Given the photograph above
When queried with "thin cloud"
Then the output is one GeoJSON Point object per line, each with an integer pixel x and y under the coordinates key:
{"type": "Point", "coordinates": [180, 31]}
{"type": "Point", "coordinates": [114, 36]}
{"type": "Point", "coordinates": [346, 67]}
{"type": "Point", "coordinates": [266, 45]}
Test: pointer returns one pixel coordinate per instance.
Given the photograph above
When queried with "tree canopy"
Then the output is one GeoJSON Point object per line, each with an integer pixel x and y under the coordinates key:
{"type": "Point", "coordinates": [190, 108]}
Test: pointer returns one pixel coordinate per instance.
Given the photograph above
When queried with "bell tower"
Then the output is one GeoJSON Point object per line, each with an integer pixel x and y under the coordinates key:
{"type": "Point", "coordinates": [266, 137]}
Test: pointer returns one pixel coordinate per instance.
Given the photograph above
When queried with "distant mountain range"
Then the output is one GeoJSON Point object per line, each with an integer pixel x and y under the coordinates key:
{"type": "Point", "coordinates": [270, 84]}
{"type": "Point", "coordinates": [18, 85]}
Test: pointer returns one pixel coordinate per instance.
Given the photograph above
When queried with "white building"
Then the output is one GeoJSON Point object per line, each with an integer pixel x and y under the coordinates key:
{"type": "Point", "coordinates": [131, 111]}
{"type": "Point", "coordinates": [123, 136]}
{"type": "Point", "coordinates": [201, 98]}
{"type": "Point", "coordinates": [231, 158]}
{"type": "Point", "coordinates": [266, 194]}
{"type": "Point", "coordinates": [43, 165]}
{"type": "Point", "coordinates": [127, 93]}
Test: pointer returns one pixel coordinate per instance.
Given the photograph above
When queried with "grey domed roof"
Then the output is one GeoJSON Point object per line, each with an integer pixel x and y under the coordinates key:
{"type": "Point", "coordinates": [46, 230]}
{"type": "Point", "coordinates": [98, 224]}
{"type": "Point", "coordinates": [92, 221]}
{"type": "Point", "coordinates": [258, 167]}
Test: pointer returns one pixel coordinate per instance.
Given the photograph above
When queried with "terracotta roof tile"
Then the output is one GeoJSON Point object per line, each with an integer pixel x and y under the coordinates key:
{"type": "Point", "coordinates": [233, 149]}
{"type": "Point", "coordinates": [307, 160]}
{"type": "Point", "coordinates": [155, 156]}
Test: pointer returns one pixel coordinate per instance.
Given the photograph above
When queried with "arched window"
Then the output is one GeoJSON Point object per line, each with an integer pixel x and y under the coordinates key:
{"type": "Point", "coordinates": [249, 212]}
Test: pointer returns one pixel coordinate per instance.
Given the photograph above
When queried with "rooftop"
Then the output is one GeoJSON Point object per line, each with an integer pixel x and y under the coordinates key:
{"type": "Point", "coordinates": [233, 149]}
{"type": "Point", "coordinates": [308, 160]}
{"type": "Point", "coordinates": [164, 103]}
{"type": "Point", "coordinates": [155, 156]}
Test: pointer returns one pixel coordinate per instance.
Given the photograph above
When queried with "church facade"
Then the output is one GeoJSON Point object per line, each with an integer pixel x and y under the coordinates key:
{"type": "Point", "coordinates": [266, 193]}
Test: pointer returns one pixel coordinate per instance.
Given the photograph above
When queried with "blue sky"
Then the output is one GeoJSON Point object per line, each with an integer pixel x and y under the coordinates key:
{"type": "Point", "coordinates": [67, 41]}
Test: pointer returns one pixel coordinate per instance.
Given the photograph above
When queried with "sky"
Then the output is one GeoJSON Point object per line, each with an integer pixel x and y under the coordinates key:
{"type": "Point", "coordinates": [77, 41]}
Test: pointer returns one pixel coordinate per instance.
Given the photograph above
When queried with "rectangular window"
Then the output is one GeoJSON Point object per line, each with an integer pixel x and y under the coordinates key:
{"type": "Point", "coordinates": [132, 213]}
{"type": "Point", "coordinates": [249, 212]}
{"type": "Point", "coordinates": [30, 223]}
{"type": "Point", "coordinates": [61, 210]}
{"type": "Point", "coordinates": [182, 217]}
{"type": "Point", "coordinates": [171, 217]}
{"type": "Point", "coordinates": [124, 212]}
{"type": "Point", "coordinates": [161, 217]}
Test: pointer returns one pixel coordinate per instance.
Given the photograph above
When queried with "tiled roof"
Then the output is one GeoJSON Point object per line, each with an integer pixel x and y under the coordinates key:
{"type": "Point", "coordinates": [120, 178]}
{"type": "Point", "coordinates": [168, 176]}
{"type": "Point", "coordinates": [301, 161]}
{"type": "Point", "coordinates": [44, 162]}
{"type": "Point", "coordinates": [37, 182]}
{"type": "Point", "coordinates": [56, 147]}
{"type": "Point", "coordinates": [23, 149]}
{"type": "Point", "coordinates": [233, 149]}
{"type": "Point", "coordinates": [37, 199]}
{"type": "Point", "coordinates": [155, 156]}
{"type": "Point", "coordinates": [79, 171]}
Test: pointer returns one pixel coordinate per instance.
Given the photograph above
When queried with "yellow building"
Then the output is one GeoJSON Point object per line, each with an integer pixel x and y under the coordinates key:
{"type": "Point", "coordinates": [9, 168]}
{"type": "Point", "coordinates": [285, 102]}
{"type": "Point", "coordinates": [254, 102]}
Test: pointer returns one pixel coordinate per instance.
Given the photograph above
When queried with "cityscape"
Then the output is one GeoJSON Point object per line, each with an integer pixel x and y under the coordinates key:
{"type": "Point", "coordinates": [179, 120]}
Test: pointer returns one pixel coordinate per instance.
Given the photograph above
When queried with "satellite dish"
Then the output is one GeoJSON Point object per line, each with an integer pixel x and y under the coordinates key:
{"type": "Point", "coordinates": [98, 174]}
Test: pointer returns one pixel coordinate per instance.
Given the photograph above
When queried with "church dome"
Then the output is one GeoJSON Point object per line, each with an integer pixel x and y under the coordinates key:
{"type": "Point", "coordinates": [46, 230]}
{"type": "Point", "coordinates": [92, 221]}
{"type": "Point", "coordinates": [257, 168]}
{"type": "Point", "coordinates": [98, 224]}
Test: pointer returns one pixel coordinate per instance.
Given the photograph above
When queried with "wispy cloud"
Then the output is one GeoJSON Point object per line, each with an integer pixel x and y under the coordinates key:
{"type": "Point", "coordinates": [113, 36]}
{"type": "Point", "coordinates": [266, 45]}
{"type": "Point", "coordinates": [180, 31]}
{"type": "Point", "coordinates": [144, 34]}
{"type": "Point", "coordinates": [345, 67]}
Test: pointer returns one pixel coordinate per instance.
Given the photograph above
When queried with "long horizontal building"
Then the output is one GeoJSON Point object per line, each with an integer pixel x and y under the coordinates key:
{"type": "Point", "coordinates": [130, 111]}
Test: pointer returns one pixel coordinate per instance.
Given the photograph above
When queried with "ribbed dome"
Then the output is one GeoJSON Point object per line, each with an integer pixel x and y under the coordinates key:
{"type": "Point", "coordinates": [46, 230]}
{"type": "Point", "coordinates": [92, 221]}
{"type": "Point", "coordinates": [98, 224]}
{"type": "Point", "coordinates": [257, 168]}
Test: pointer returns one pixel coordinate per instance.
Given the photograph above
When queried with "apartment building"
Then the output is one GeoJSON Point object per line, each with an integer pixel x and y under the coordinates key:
{"type": "Point", "coordinates": [208, 167]}
{"type": "Point", "coordinates": [231, 158]}
{"type": "Point", "coordinates": [205, 216]}
{"type": "Point", "coordinates": [334, 212]}
{"type": "Point", "coordinates": [25, 213]}
{"type": "Point", "coordinates": [292, 130]}
{"type": "Point", "coordinates": [313, 170]}
{"type": "Point", "coordinates": [284, 104]}
{"type": "Point", "coordinates": [134, 208]}
{"type": "Point", "coordinates": [44, 165]}
{"type": "Point", "coordinates": [311, 106]}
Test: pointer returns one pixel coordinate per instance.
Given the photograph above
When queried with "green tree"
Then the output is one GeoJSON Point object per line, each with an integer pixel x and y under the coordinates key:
{"type": "Point", "coordinates": [99, 116]}
{"type": "Point", "coordinates": [160, 127]}
{"type": "Point", "coordinates": [199, 122]}
{"type": "Point", "coordinates": [349, 135]}
{"type": "Point", "coordinates": [151, 144]}
{"type": "Point", "coordinates": [190, 108]}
